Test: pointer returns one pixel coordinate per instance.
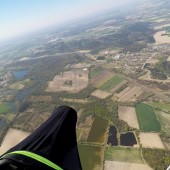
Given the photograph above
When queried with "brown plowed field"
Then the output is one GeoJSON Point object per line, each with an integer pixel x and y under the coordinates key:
{"type": "Point", "coordinates": [151, 140]}
{"type": "Point", "coordinates": [128, 114]}
{"type": "Point", "coordinates": [12, 138]}
{"type": "Point", "coordinates": [118, 95]}
{"type": "Point", "coordinates": [101, 94]}
{"type": "Point", "coordinates": [131, 95]}
{"type": "Point", "coordinates": [70, 81]}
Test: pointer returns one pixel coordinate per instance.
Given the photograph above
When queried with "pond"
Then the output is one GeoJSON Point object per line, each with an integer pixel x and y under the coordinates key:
{"type": "Point", "coordinates": [19, 75]}
{"type": "Point", "coordinates": [128, 139]}
{"type": "Point", "coordinates": [112, 139]}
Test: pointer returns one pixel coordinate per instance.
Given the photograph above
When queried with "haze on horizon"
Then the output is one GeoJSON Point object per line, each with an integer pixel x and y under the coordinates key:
{"type": "Point", "coordinates": [21, 16]}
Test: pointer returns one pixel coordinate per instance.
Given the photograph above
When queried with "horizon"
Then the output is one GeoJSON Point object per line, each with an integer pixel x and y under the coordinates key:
{"type": "Point", "coordinates": [21, 17]}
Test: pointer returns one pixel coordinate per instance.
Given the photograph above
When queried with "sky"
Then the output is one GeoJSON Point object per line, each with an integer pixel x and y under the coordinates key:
{"type": "Point", "coordinates": [21, 16]}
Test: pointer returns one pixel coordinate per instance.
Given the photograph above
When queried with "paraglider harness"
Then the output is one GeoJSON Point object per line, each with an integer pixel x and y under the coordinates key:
{"type": "Point", "coordinates": [26, 160]}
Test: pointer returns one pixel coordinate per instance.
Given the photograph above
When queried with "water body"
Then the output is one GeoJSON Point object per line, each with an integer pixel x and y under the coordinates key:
{"type": "Point", "coordinates": [128, 139]}
{"type": "Point", "coordinates": [3, 124]}
{"type": "Point", "coordinates": [20, 75]}
{"type": "Point", "coordinates": [22, 94]}
{"type": "Point", "coordinates": [112, 139]}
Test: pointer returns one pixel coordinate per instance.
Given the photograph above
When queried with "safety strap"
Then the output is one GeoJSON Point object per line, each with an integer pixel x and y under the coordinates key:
{"type": "Point", "coordinates": [35, 157]}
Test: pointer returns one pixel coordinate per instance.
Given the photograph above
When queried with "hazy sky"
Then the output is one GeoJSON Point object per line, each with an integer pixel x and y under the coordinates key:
{"type": "Point", "coordinates": [19, 16]}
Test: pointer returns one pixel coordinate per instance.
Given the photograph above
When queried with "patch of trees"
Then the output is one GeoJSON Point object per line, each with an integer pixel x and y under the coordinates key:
{"type": "Point", "coordinates": [157, 74]}
{"type": "Point", "coordinates": [133, 37]}
{"type": "Point", "coordinates": [3, 128]}
{"type": "Point", "coordinates": [101, 58]}
{"type": "Point", "coordinates": [156, 158]}
{"type": "Point", "coordinates": [164, 66]}
{"type": "Point", "coordinates": [50, 66]}
{"type": "Point", "coordinates": [83, 94]}
{"type": "Point", "coordinates": [24, 106]}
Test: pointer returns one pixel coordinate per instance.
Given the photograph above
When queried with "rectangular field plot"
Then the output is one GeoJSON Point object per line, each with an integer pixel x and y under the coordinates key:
{"type": "Point", "coordinates": [91, 157]}
{"type": "Point", "coordinates": [151, 140]}
{"type": "Point", "coordinates": [101, 78]}
{"type": "Point", "coordinates": [162, 106]}
{"type": "Point", "coordinates": [100, 94]}
{"type": "Point", "coordinates": [116, 165]}
{"type": "Point", "coordinates": [111, 83]}
{"type": "Point", "coordinates": [128, 114]}
{"type": "Point", "coordinates": [98, 130]}
{"type": "Point", "coordinates": [146, 118]}
{"type": "Point", "coordinates": [131, 95]}
{"type": "Point", "coordinates": [95, 72]}
{"type": "Point", "coordinates": [165, 121]}
{"type": "Point", "coordinates": [123, 155]}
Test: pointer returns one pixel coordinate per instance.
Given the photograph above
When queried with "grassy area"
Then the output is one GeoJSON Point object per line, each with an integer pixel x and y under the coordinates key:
{"type": "Point", "coordinates": [113, 82]}
{"type": "Point", "coordinates": [164, 120]}
{"type": "Point", "coordinates": [95, 72]}
{"type": "Point", "coordinates": [161, 106]}
{"type": "Point", "coordinates": [4, 108]}
{"type": "Point", "coordinates": [123, 155]}
{"type": "Point", "coordinates": [98, 130]}
{"type": "Point", "coordinates": [146, 118]}
{"type": "Point", "coordinates": [91, 157]}
{"type": "Point", "coordinates": [157, 158]}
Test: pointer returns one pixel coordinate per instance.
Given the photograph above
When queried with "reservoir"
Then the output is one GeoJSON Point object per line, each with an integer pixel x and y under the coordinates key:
{"type": "Point", "coordinates": [112, 139]}
{"type": "Point", "coordinates": [128, 139]}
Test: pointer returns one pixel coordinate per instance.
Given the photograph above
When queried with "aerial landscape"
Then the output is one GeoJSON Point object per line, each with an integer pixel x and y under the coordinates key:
{"type": "Point", "coordinates": [113, 69]}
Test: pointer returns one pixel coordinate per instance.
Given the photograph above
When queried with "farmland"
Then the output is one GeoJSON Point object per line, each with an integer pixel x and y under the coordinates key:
{"type": "Point", "coordinates": [70, 81]}
{"type": "Point", "coordinates": [110, 165]}
{"type": "Point", "coordinates": [131, 95]}
{"type": "Point", "coordinates": [113, 82]}
{"type": "Point", "coordinates": [151, 140]}
{"type": "Point", "coordinates": [91, 157]}
{"type": "Point", "coordinates": [128, 114]}
{"type": "Point", "coordinates": [104, 68]}
{"type": "Point", "coordinates": [98, 130]}
{"type": "Point", "coordinates": [146, 118]}
{"type": "Point", "coordinates": [131, 155]}
{"type": "Point", "coordinates": [12, 138]}
{"type": "Point", "coordinates": [100, 94]}
{"type": "Point", "coordinates": [161, 37]}
{"type": "Point", "coordinates": [102, 78]}
{"type": "Point", "coordinates": [4, 108]}
{"type": "Point", "coordinates": [164, 120]}
{"type": "Point", "coordinates": [161, 106]}
{"type": "Point", "coordinates": [96, 72]}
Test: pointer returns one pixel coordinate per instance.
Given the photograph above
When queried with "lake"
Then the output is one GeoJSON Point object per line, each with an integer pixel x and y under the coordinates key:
{"type": "Point", "coordinates": [19, 75]}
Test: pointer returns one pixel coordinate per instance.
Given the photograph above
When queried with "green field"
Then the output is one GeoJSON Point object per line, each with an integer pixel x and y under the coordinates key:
{"type": "Point", "coordinates": [131, 155]}
{"type": "Point", "coordinates": [91, 157]}
{"type": "Point", "coordinates": [4, 108]}
{"type": "Point", "coordinates": [113, 82]}
{"type": "Point", "coordinates": [95, 72]}
{"type": "Point", "coordinates": [161, 106]}
{"type": "Point", "coordinates": [146, 118]}
{"type": "Point", "coordinates": [98, 130]}
{"type": "Point", "coordinates": [164, 120]}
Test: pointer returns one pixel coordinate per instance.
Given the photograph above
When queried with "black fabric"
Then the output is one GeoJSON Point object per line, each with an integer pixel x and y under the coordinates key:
{"type": "Point", "coordinates": [20, 162]}
{"type": "Point", "coordinates": [55, 139]}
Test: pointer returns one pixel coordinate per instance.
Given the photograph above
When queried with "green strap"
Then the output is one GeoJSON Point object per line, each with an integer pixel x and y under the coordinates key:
{"type": "Point", "coordinates": [37, 158]}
